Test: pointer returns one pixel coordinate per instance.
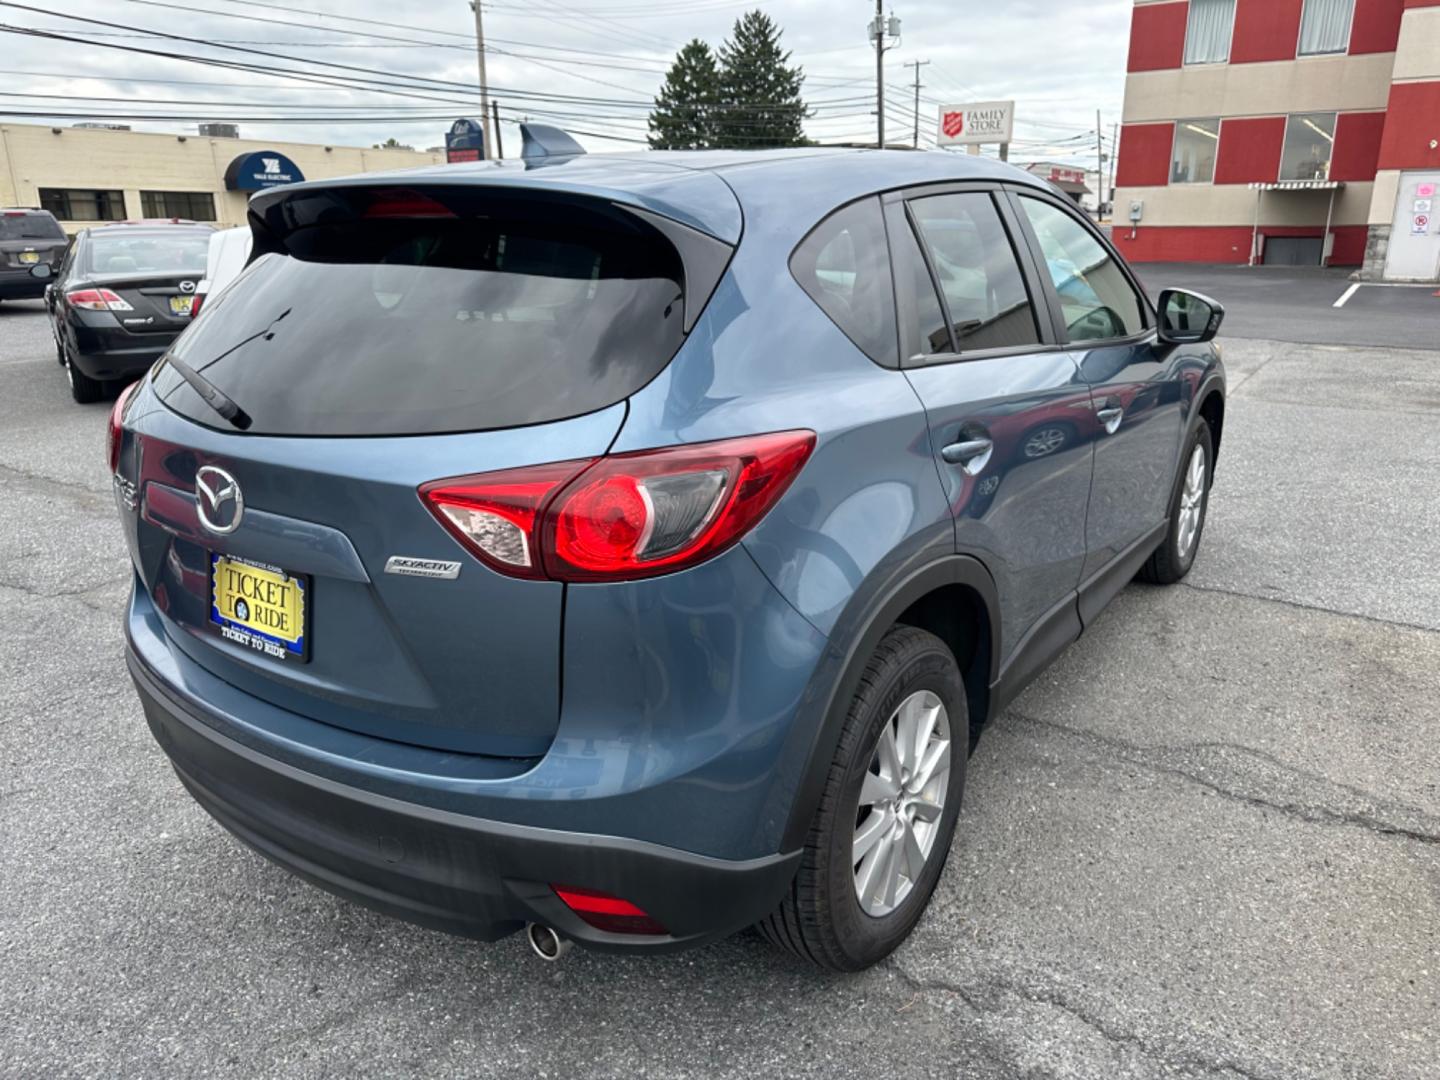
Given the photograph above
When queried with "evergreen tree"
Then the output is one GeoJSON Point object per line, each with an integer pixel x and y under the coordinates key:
{"type": "Point", "coordinates": [683, 117]}
{"type": "Point", "coordinates": [760, 102]}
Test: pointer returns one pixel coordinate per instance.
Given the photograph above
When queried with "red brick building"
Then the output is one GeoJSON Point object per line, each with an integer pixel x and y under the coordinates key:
{"type": "Point", "coordinates": [1283, 131]}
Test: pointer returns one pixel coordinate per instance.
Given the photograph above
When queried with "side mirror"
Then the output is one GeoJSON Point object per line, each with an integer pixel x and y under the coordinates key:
{"type": "Point", "coordinates": [1187, 318]}
{"type": "Point", "coordinates": [41, 271]}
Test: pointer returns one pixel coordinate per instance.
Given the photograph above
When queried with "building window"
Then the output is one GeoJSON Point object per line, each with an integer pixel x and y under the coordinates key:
{"type": "Point", "coordinates": [1193, 159]}
{"type": "Point", "coordinates": [193, 205]}
{"type": "Point", "coordinates": [83, 204]}
{"type": "Point", "coordinates": [1325, 26]}
{"type": "Point", "coordinates": [1309, 143]}
{"type": "Point", "coordinates": [1207, 34]}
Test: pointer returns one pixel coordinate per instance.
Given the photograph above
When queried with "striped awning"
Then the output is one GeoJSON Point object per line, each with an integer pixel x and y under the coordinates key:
{"type": "Point", "coordinates": [1299, 185]}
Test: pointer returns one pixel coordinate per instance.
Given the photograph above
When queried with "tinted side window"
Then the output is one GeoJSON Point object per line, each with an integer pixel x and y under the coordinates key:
{"type": "Point", "coordinates": [979, 274]}
{"type": "Point", "coordinates": [921, 317]}
{"type": "Point", "coordinates": [1095, 296]}
{"type": "Point", "coordinates": [844, 266]}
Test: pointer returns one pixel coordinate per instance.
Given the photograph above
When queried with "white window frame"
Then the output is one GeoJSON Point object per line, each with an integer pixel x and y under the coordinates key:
{"type": "Point", "coordinates": [1300, 35]}
{"type": "Point", "coordinates": [1229, 45]}
{"type": "Point", "coordinates": [1175, 139]}
{"type": "Point", "coordinates": [1285, 142]}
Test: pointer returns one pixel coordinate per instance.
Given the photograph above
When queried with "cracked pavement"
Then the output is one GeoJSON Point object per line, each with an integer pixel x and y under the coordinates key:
{"type": "Point", "coordinates": [1205, 844]}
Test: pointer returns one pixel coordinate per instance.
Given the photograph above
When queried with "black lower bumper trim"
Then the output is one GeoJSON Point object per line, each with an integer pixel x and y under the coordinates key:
{"type": "Point", "coordinates": [479, 878]}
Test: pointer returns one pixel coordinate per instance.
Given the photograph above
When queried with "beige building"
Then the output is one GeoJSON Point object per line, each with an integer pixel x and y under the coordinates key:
{"type": "Point", "coordinates": [86, 175]}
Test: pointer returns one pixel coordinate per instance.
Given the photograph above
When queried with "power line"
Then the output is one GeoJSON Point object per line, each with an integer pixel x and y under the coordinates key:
{"type": "Point", "coordinates": [390, 76]}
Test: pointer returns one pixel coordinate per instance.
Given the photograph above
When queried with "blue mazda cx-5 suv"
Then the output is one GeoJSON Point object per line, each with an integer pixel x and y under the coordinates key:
{"type": "Point", "coordinates": [631, 548]}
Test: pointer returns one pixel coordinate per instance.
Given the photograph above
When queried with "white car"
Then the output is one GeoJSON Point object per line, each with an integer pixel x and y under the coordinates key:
{"type": "Point", "coordinates": [229, 252]}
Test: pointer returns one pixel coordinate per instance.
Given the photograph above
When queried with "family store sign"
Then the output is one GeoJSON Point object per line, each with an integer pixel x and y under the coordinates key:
{"type": "Point", "coordinates": [983, 122]}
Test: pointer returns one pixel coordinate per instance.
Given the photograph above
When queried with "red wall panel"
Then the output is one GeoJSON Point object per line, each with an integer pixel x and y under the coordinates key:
{"type": "Point", "coordinates": [1376, 27]}
{"type": "Point", "coordinates": [1144, 155]}
{"type": "Point", "coordinates": [1266, 30]}
{"type": "Point", "coordinates": [1422, 3]}
{"type": "Point", "coordinates": [1411, 123]}
{"type": "Point", "coordinates": [1250, 150]}
{"type": "Point", "coordinates": [1357, 146]}
{"type": "Point", "coordinates": [1229, 243]}
{"type": "Point", "coordinates": [1157, 36]}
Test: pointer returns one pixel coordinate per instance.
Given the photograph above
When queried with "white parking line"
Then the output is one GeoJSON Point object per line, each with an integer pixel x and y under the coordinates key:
{"type": "Point", "coordinates": [1351, 291]}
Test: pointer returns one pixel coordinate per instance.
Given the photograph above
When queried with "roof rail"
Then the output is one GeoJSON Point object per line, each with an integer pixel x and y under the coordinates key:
{"type": "Point", "coordinates": [539, 142]}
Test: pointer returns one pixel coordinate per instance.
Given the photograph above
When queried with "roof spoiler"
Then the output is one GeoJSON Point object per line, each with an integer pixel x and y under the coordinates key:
{"type": "Point", "coordinates": [539, 142]}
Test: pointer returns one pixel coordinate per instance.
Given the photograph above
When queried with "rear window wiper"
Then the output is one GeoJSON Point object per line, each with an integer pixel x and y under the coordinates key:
{"type": "Point", "coordinates": [211, 394]}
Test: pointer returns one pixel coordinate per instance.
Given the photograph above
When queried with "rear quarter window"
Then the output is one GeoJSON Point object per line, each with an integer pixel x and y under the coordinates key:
{"type": "Point", "coordinates": [438, 312]}
{"type": "Point", "coordinates": [844, 266]}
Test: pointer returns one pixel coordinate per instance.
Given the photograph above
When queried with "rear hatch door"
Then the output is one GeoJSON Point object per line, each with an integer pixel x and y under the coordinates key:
{"type": "Point", "coordinates": [28, 239]}
{"type": "Point", "coordinates": [401, 338]}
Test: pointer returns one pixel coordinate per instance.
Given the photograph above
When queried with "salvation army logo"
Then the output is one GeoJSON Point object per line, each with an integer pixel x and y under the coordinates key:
{"type": "Point", "coordinates": [954, 124]}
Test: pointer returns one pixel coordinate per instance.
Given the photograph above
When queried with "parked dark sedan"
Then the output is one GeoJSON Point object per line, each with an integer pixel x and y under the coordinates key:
{"type": "Point", "coordinates": [28, 239]}
{"type": "Point", "coordinates": [122, 295]}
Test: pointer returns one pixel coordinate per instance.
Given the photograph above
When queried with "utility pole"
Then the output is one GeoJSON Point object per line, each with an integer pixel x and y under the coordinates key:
{"type": "Point", "coordinates": [917, 65]}
{"type": "Point", "coordinates": [488, 152]}
{"type": "Point", "coordinates": [1099, 168]}
{"type": "Point", "coordinates": [499, 141]}
{"type": "Point", "coordinates": [879, 76]}
{"type": "Point", "coordinates": [1114, 153]}
{"type": "Point", "coordinates": [880, 29]}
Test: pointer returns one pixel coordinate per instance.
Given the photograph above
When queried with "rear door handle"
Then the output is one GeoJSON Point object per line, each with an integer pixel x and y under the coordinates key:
{"type": "Point", "coordinates": [1110, 418]}
{"type": "Point", "coordinates": [971, 455]}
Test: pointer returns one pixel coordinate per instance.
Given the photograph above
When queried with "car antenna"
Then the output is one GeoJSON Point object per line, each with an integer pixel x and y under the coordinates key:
{"type": "Point", "coordinates": [542, 143]}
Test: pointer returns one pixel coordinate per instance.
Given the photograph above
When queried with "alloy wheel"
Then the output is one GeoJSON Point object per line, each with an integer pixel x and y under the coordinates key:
{"type": "Point", "coordinates": [902, 801]}
{"type": "Point", "coordinates": [1192, 502]}
{"type": "Point", "coordinates": [1044, 442]}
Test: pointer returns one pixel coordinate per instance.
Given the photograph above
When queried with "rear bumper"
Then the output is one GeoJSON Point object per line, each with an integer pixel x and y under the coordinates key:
{"type": "Point", "coordinates": [21, 287]}
{"type": "Point", "coordinates": [103, 350]}
{"type": "Point", "coordinates": [449, 871]}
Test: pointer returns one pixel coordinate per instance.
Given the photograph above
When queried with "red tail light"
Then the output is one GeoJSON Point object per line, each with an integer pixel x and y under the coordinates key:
{"type": "Point", "coordinates": [606, 912]}
{"type": "Point", "coordinates": [195, 303]}
{"type": "Point", "coordinates": [623, 517]}
{"type": "Point", "coordinates": [97, 300]}
{"type": "Point", "coordinates": [113, 431]}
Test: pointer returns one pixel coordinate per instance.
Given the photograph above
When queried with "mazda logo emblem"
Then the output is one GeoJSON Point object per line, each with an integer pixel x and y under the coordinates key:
{"type": "Point", "coordinates": [218, 500]}
{"type": "Point", "coordinates": [187, 286]}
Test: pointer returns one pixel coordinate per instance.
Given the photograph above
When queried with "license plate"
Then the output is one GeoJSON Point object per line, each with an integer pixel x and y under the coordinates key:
{"type": "Point", "coordinates": [180, 305]}
{"type": "Point", "coordinates": [29, 258]}
{"type": "Point", "coordinates": [259, 607]}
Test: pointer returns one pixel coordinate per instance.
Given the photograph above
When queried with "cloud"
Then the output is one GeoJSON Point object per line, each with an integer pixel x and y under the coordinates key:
{"type": "Point", "coordinates": [599, 62]}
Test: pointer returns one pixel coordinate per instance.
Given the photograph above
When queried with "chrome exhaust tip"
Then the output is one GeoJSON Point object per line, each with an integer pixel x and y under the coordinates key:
{"type": "Point", "coordinates": [545, 942]}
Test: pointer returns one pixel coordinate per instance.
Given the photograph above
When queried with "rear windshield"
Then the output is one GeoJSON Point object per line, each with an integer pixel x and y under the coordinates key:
{"type": "Point", "coordinates": [417, 314]}
{"type": "Point", "coordinates": [149, 253]}
{"type": "Point", "coordinates": [30, 227]}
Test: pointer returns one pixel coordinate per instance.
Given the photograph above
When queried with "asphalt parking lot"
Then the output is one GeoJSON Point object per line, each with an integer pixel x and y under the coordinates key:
{"type": "Point", "coordinates": [1206, 844]}
{"type": "Point", "coordinates": [1298, 304]}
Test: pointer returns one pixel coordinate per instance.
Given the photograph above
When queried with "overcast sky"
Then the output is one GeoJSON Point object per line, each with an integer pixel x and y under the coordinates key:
{"type": "Point", "coordinates": [594, 64]}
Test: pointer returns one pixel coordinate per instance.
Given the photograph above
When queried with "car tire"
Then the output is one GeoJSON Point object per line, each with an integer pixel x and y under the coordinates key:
{"type": "Point", "coordinates": [83, 388]}
{"type": "Point", "coordinates": [822, 917]}
{"type": "Point", "coordinates": [1175, 556]}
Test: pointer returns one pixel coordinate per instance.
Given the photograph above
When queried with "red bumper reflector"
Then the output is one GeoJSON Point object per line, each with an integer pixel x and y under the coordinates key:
{"type": "Point", "coordinates": [606, 912]}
